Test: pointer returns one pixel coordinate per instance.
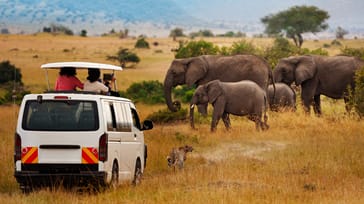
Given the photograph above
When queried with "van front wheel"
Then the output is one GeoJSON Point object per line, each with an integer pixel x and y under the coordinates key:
{"type": "Point", "coordinates": [138, 173]}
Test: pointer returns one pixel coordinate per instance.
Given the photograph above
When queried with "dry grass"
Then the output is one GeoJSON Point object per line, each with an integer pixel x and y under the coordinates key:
{"type": "Point", "coordinates": [300, 159]}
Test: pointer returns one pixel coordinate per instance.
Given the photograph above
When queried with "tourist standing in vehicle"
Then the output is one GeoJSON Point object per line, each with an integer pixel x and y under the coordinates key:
{"type": "Point", "coordinates": [93, 82]}
{"type": "Point", "coordinates": [67, 80]}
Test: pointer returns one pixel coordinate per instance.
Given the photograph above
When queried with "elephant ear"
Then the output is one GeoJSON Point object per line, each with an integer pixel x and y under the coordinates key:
{"type": "Point", "coordinates": [306, 69]}
{"type": "Point", "coordinates": [196, 69]}
{"type": "Point", "coordinates": [213, 90]}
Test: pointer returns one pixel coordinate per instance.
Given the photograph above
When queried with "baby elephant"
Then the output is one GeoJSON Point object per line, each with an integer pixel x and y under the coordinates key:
{"type": "Point", "coordinates": [284, 97]}
{"type": "Point", "coordinates": [237, 98]}
{"type": "Point", "coordinates": [177, 157]}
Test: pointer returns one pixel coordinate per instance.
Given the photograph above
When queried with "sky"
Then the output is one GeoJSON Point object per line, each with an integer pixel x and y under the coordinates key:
{"type": "Point", "coordinates": [342, 12]}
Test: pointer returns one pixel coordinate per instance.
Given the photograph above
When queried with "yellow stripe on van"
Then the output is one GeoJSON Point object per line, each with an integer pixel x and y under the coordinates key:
{"type": "Point", "coordinates": [29, 155]}
{"type": "Point", "coordinates": [90, 155]}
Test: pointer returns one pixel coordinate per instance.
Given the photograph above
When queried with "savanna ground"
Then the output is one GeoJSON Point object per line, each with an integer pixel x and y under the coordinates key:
{"type": "Point", "coordinates": [300, 159]}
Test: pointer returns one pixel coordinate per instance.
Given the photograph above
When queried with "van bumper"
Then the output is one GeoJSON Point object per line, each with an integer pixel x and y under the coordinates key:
{"type": "Point", "coordinates": [40, 179]}
{"type": "Point", "coordinates": [40, 175]}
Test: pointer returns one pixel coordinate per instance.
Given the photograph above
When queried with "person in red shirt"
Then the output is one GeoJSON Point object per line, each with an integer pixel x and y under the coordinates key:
{"type": "Point", "coordinates": [67, 80]}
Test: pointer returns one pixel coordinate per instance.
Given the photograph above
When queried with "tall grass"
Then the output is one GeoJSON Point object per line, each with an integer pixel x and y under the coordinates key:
{"type": "Point", "coordinates": [300, 159]}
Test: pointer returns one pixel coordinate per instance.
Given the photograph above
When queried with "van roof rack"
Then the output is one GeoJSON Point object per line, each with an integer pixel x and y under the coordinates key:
{"type": "Point", "coordinates": [77, 65]}
{"type": "Point", "coordinates": [73, 92]}
{"type": "Point", "coordinates": [85, 65]}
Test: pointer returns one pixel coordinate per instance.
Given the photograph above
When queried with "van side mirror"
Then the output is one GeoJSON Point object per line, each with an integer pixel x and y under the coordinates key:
{"type": "Point", "coordinates": [147, 125]}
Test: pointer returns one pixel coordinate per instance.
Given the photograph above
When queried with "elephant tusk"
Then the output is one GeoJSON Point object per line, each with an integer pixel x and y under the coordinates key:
{"type": "Point", "coordinates": [192, 106]}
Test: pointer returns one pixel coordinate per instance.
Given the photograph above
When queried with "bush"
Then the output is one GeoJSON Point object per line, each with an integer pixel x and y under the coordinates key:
{"type": "Point", "coordinates": [281, 48]}
{"type": "Point", "coordinates": [83, 33]}
{"type": "Point", "coordinates": [243, 47]}
{"type": "Point", "coordinates": [318, 51]}
{"type": "Point", "coordinates": [336, 42]}
{"type": "Point", "coordinates": [166, 116]}
{"type": "Point", "coordinates": [10, 81]}
{"type": "Point", "coordinates": [196, 48]}
{"type": "Point", "coordinates": [141, 43]}
{"type": "Point", "coordinates": [183, 93]}
{"type": "Point", "coordinates": [149, 92]}
{"type": "Point", "coordinates": [353, 52]}
{"type": "Point", "coordinates": [356, 96]}
{"type": "Point", "coordinates": [9, 73]}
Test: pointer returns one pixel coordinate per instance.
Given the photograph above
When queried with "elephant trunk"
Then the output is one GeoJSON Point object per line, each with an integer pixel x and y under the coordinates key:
{"type": "Point", "coordinates": [168, 85]}
{"type": "Point", "coordinates": [192, 118]}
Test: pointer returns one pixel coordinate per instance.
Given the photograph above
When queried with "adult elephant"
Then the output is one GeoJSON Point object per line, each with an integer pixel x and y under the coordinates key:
{"type": "Point", "coordinates": [329, 76]}
{"type": "Point", "coordinates": [202, 69]}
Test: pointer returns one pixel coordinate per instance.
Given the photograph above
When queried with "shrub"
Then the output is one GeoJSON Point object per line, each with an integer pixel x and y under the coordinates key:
{"type": "Point", "coordinates": [196, 48]}
{"type": "Point", "coordinates": [353, 52]}
{"type": "Point", "coordinates": [83, 33]}
{"type": "Point", "coordinates": [149, 92]}
{"type": "Point", "coordinates": [183, 93]}
{"type": "Point", "coordinates": [141, 43]}
{"type": "Point", "coordinates": [336, 42]}
{"type": "Point", "coordinates": [10, 81]}
{"type": "Point", "coordinates": [356, 96]}
{"type": "Point", "coordinates": [9, 73]}
{"type": "Point", "coordinates": [281, 48]}
{"type": "Point", "coordinates": [243, 47]}
{"type": "Point", "coordinates": [166, 116]}
{"type": "Point", "coordinates": [318, 51]}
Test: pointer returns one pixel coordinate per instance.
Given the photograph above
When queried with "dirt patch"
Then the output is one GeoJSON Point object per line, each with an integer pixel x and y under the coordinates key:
{"type": "Point", "coordinates": [231, 150]}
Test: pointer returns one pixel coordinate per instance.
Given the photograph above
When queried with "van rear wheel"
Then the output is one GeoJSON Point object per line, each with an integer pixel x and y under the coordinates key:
{"type": "Point", "coordinates": [138, 173]}
{"type": "Point", "coordinates": [114, 175]}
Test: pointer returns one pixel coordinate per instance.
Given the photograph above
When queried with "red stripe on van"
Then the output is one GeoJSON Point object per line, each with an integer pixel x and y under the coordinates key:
{"type": "Point", "coordinates": [89, 155]}
{"type": "Point", "coordinates": [29, 155]}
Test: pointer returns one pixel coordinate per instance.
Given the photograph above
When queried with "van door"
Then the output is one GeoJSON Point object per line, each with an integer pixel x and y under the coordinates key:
{"type": "Point", "coordinates": [122, 143]}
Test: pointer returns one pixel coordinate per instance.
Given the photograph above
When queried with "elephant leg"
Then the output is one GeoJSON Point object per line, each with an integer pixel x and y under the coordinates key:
{"type": "Point", "coordinates": [307, 97]}
{"type": "Point", "coordinates": [257, 120]}
{"type": "Point", "coordinates": [216, 115]}
{"type": "Point", "coordinates": [317, 105]}
{"type": "Point", "coordinates": [226, 119]}
{"type": "Point", "coordinates": [348, 107]}
{"type": "Point", "coordinates": [265, 125]}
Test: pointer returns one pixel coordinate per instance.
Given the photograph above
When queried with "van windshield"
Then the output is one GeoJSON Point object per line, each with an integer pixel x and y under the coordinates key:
{"type": "Point", "coordinates": [56, 115]}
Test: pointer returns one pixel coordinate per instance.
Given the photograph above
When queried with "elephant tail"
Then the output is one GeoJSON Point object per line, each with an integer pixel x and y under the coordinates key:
{"type": "Point", "coordinates": [265, 112]}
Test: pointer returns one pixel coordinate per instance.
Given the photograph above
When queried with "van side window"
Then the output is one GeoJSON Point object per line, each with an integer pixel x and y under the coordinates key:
{"type": "Point", "coordinates": [136, 121]}
{"type": "Point", "coordinates": [110, 116]}
{"type": "Point", "coordinates": [123, 117]}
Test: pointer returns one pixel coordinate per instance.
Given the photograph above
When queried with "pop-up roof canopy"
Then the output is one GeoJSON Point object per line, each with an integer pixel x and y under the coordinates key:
{"type": "Point", "coordinates": [86, 65]}
{"type": "Point", "coordinates": [77, 65]}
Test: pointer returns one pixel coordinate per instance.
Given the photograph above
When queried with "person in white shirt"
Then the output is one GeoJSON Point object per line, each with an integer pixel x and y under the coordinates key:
{"type": "Point", "coordinates": [93, 84]}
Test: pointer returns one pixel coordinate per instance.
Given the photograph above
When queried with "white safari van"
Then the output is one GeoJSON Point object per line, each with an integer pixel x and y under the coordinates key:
{"type": "Point", "coordinates": [78, 138]}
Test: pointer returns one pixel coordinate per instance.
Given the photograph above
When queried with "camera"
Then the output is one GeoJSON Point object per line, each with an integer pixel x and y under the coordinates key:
{"type": "Point", "coordinates": [108, 77]}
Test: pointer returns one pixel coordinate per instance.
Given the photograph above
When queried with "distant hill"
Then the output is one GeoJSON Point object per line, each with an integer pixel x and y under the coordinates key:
{"type": "Point", "coordinates": [94, 15]}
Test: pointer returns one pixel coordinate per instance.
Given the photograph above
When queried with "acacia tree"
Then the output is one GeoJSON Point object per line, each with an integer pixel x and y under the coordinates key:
{"type": "Point", "coordinates": [124, 56]}
{"type": "Point", "coordinates": [296, 21]}
{"type": "Point", "coordinates": [177, 32]}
